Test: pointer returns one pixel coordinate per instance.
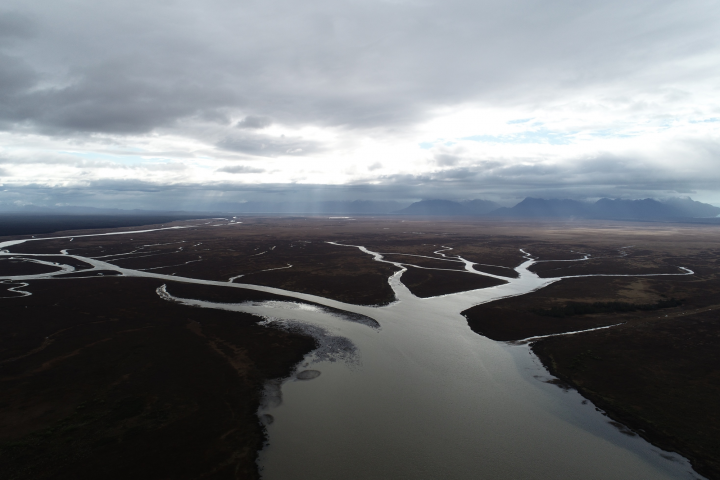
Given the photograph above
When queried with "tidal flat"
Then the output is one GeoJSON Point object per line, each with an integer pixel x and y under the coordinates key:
{"type": "Point", "coordinates": [102, 376]}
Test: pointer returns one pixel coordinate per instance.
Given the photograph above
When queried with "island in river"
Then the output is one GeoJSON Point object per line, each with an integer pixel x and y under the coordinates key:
{"type": "Point", "coordinates": [103, 378]}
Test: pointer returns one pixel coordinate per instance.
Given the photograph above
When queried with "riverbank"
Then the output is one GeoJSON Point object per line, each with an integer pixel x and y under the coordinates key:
{"type": "Point", "coordinates": [658, 371]}
{"type": "Point", "coordinates": [517, 318]}
{"type": "Point", "coordinates": [660, 378]}
{"type": "Point", "coordinates": [103, 379]}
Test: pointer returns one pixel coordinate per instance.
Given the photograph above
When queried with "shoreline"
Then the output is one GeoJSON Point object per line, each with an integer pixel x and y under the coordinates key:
{"type": "Point", "coordinates": [131, 376]}
{"type": "Point", "coordinates": [616, 412]}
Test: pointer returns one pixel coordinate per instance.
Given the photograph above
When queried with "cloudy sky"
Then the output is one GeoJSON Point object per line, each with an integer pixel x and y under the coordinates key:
{"type": "Point", "coordinates": [178, 104]}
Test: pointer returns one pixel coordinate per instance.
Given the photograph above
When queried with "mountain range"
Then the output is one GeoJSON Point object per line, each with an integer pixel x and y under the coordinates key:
{"type": "Point", "coordinates": [605, 208]}
{"type": "Point", "coordinates": [450, 208]}
{"type": "Point", "coordinates": [647, 209]}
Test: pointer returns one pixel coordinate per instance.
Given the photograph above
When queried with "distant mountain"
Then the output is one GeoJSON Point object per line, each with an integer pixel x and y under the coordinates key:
{"type": "Point", "coordinates": [605, 208]}
{"type": "Point", "coordinates": [539, 207]}
{"type": "Point", "coordinates": [480, 207]}
{"type": "Point", "coordinates": [438, 207]}
{"type": "Point", "coordinates": [691, 208]}
{"type": "Point", "coordinates": [646, 209]}
{"type": "Point", "coordinates": [434, 207]}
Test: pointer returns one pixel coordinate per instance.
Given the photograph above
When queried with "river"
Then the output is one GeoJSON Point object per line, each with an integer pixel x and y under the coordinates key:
{"type": "Point", "coordinates": [418, 395]}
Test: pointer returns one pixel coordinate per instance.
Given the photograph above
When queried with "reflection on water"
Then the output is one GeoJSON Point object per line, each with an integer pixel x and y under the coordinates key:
{"type": "Point", "coordinates": [408, 391]}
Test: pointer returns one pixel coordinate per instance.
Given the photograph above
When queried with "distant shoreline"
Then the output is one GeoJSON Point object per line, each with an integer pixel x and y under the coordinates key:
{"type": "Point", "coordinates": [35, 224]}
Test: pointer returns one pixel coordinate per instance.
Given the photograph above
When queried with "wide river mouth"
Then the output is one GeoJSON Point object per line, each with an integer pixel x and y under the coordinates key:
{"type": "Point", "coordinates": [421, 396]}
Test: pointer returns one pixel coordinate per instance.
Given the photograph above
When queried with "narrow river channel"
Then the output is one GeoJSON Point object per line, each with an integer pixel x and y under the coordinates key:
{"type": "Point", "coordinates": [418, 395]}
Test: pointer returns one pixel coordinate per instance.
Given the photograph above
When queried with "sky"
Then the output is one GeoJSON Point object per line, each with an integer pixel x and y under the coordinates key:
{"type": "Point", "coordinates": [182, 104]}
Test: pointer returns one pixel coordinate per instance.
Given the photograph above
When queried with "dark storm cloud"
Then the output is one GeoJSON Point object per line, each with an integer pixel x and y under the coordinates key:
{"type": "Point", "coordinates": [103, 101]}
{"type": "Point", "coordinates": [15, 76]}
{"type": "Point", "coordinates": [14, 25]}
{"type": "Point", "coordinates": [254, 122]}
{"type": "Point", "coordinates": [130, 67]}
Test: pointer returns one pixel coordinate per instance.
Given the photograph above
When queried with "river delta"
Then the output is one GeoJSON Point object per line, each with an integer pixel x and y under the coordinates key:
{"type": "Point", "coordinates": [361, 348]}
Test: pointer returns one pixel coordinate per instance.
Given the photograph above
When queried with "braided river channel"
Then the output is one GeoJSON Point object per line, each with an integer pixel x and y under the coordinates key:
{"type": "Point", "coordinates": [408, 391]}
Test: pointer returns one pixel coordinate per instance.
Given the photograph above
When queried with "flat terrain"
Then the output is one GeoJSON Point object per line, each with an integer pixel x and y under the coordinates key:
{"type": "Point", "coordinates": [83, 360]}
{"type": "Point", "coordinates": [101, 378]}
{"type": "Point", "coordinates": [29, 223]}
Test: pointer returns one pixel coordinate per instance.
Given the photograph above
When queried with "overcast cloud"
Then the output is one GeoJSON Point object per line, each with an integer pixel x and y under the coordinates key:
{"type": "Point", "coordinates": [136, 104]}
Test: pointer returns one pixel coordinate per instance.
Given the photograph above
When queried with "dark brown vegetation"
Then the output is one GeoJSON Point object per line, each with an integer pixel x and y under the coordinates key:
{"type": "Point", "coordinates": [100, 378]}
{"type": "Point", "coordinates": [18, 267]}
{"type": "Point", "coordinates": [293, 254]}
{"type": "Point", "coordinates": [659, 372]}
{"type": "Point", "coordinates": [607, 266]}
{"type": "Point", "coordinates": [659, 377]}
{"type": "Point", "coordinates": [571, 309]}
{"type": "Point", "coordinates": [429, 283]}
{"type": "Point", "coordinates": [425, 262]}
{"type": "Point", "coordinates": [522, 317]}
